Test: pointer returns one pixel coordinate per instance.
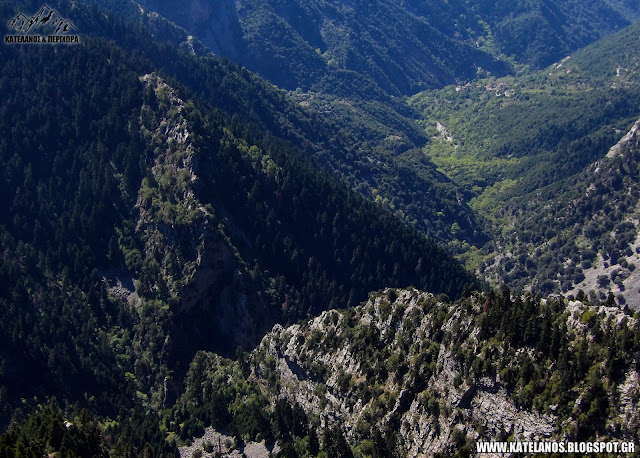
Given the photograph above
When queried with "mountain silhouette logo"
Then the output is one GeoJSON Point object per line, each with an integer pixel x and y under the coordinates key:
{"type": "Point", "coordinates": [45, 18]}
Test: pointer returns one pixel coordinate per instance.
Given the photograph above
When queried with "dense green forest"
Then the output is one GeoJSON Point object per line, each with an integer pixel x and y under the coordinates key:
{"type": "Point", "coordinates": [506, 150]}
{"type": "Point", "coordinates": [138, 208]}
{"type": "Point", "coordinates": [533, 149]}
{"type": "Point", "coordinates": [336, 48]}
{"type": "Point", "coordinates": [588, 225]}
{"type": "Point", "coordinates": [506, 134]}
{"type": "Point", "coordinates": [164, 208]}
{"type": "Point", "coordinates": [368, 140]}
{"type": "Point", "coordinates": [400, 47]}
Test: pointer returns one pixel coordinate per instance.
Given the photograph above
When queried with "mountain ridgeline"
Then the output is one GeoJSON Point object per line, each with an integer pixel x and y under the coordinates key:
{"type": "Point", "coordinates": [350, 61]}
{"type": "Point", "coordinates": [369, 141]}
{"type": "Point", "coordinates": [408, 374]}
{"type": "Point", "coordinates": [333, 47]}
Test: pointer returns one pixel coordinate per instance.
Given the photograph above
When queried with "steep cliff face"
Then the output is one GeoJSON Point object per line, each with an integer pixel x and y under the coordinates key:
{"type": "Point", "coordinates": [188, 260]}
{"type": "Point", "coordinates": [216, 24]}
{"type": "Point", "coordinates": [392, 366]}
{"type": "Point", "coordinates": [172, 222]}
{"type": "Point", "coordinates": [416, 375]}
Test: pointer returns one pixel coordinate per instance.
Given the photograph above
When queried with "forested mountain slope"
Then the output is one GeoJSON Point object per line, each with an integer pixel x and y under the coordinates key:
{"type": "Point", "coordinates": [142, 222]}
{"type": "Point", "coordinates": [534, 150]}
{"type": "Point", "coordinates": [399, 46]}
{"type": "Point", "coordinates": [361, 62]}
{"type": "Point", "coordinates": [326, 45]}
{"type": "Point", "coordinates": [515, 128]}
{"type": "Point", "coordinates": [360, 134]}
{"type": "Point", "coordinates": [160, 205]}
{"type": "Point", "coordinates": [372, 142]}
{"type": "Point", "coordinates": [579, 234]}
{"type": "Point", "coordinates": [512, 142]}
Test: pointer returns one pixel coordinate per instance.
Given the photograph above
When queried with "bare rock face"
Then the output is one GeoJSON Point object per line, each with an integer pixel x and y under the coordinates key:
{"type": "Point", "coordinates": [629, 401]}
{"type": "Point", "coordinates": [175, 226]}
{"type": "Point", "coordinates": [216, 23]}
{"type": "Point", "coordinates": [214, 443]}
{"type": "Point", "coordinates": [426, 421]}
{"type": "Point", "coordinates": [416, 375]}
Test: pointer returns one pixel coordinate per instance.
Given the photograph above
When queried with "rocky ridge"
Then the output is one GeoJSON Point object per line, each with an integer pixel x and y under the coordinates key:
{"type": "Point", "coordinates": [187, 259]}
{"type": "Point", "coordinates": [420, 375]}
{"type": "Point", "coordinates": [427, 420]}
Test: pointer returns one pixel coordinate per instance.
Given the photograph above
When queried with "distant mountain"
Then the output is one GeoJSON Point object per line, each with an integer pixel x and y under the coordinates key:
{"type": "Point", "coordinates": [538, 33]}
{"type": "Point", "coordinates": [164, 209]}
{"type": "Point", "coordinates": [346, 60]}
{"type": "Point", "coordinates": [325, 45]}
{"type": "Point", "coordinates": [372, 144]}
{"type": "Point", "coordinates": [399, 46]}
{"type": "Point", "coordinates": [384, 162]}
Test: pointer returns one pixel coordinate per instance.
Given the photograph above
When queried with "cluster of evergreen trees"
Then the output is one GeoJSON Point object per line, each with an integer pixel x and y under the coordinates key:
{"type": "Point", "coordinates": [73, 162]}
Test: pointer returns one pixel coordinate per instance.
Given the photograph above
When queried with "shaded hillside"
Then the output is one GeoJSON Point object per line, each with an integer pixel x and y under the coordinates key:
{"type": "Point", "coordinates": [141, 224]}
{"type": "Point", "coordinates": [498, 140]}
{"type": "Point", "coordinates": [538, 33]}
{"type": "Point", "coordinates": [579, 234]}
{"type": "Point", "coordinates": [370, 143]}
{"type": "Point", "coordinates": [401, 47]}
{"type": "Point", "coordinates": [159, 206]}
{"type": "Point", "coordinates": [323, 45]}
{"type": "Point", "coordinates": [355, 57]}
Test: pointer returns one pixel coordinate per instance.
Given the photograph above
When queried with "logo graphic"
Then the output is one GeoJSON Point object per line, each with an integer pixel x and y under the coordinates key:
{"type": "Point", "coordinates": [46, 21]}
